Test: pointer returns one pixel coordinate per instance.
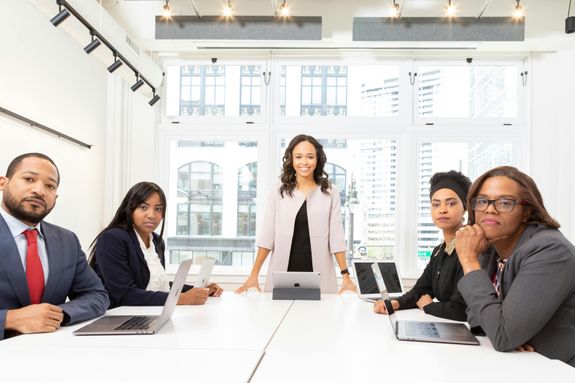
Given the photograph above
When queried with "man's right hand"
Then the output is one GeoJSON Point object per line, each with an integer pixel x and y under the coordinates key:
{"type": "Point", "coordinates": [42, 317]}
{"type": "Point", "coordinates": [252, 281]}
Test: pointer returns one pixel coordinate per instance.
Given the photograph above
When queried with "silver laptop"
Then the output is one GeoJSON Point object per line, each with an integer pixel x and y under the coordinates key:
{"type": "Point", "coordinates": [439, 332]}
{"type": "Point", "coordinates": [140, 324]}
{"type": "Point", "coordinates": [367, 284]}
{"type": "Point", "coordinates": [303, 279]}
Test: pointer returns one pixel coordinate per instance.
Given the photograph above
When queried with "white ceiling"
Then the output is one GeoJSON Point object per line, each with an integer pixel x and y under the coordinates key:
{"type": "Point", "coordinates": [544, 22]}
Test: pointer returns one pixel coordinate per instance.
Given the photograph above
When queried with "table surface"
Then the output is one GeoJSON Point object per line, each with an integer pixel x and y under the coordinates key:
{"type": "Point", "coordinates": [250, 337]}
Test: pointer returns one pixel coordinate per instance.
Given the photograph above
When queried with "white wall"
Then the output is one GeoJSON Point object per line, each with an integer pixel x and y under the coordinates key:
{"type": "Point", "coordinates": [552, 138]}
{"type": "Point", "coordinates": [47, 77]}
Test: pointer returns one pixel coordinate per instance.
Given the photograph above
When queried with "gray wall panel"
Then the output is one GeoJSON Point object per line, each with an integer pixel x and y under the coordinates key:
{"type": "Point", "coordinates": [239, 28]}
{"type": "Point", "coordinates": [438, 29]}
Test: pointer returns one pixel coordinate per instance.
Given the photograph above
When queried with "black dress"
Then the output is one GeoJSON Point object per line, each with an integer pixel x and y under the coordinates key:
{"type": "Point", "coordinates": [300, 252]}
{"type": "Point", "coordinates": [439, 280]}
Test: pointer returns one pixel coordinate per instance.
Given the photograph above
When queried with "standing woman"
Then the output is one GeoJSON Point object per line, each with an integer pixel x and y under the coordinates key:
{"type": "Point", "coordinates": [302, 225]}
{"type": "Point", "coordinates": [524, 298]}
{"type": "Point", "coordinates": [129, 256]}
{"type": "Point", "coordinates": [447, 193]}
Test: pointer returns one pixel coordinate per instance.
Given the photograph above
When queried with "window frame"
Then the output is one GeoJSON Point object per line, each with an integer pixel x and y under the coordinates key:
{"type": "Point", "coordinates": [406, 129]}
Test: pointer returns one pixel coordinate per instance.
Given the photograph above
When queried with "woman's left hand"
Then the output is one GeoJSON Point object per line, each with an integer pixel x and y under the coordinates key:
{"type": "Point", "coordinates": [215, 290]}
{"type": "Point", "coordinates": [347, 285]}
{"type": "Point", "coordinates": [525, 347]}
{"type": "Point", "coordinates": [424, 300]}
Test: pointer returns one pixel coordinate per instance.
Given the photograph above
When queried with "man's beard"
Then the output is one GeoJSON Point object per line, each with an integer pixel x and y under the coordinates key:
{"type": "Point", "coordinates": [16, 209]}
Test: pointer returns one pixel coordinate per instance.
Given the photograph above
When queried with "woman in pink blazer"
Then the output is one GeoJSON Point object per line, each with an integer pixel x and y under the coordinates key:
{"type": "Point", "coordinates": [302, 224]}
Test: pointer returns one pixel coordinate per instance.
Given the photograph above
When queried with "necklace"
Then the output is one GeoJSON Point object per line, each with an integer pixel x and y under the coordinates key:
{"type": "Point", "coordinates": [450, 247]}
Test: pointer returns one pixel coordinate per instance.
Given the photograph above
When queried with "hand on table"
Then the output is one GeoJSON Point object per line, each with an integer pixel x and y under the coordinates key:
{"type": "Point", "coordinates": [252, 281]}
{"type": "Point", "coordinates": [195, 296]}
{"type": "Point", "coordinates": [215, 290]}
{"type": "Point", "coordinates": [36, 318]}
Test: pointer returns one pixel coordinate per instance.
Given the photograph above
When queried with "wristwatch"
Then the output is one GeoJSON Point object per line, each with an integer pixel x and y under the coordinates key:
{"type": "Point", "coordinates": [344, 271]}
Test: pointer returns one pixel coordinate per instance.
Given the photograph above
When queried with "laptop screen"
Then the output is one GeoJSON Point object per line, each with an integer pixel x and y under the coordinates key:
{"type": "Point", "coordinates": [366, 279]}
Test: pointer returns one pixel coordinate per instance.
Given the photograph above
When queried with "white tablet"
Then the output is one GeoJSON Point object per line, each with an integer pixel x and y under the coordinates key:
{"type": "Point", "coordinates": [203, 277]}
{"type": "Point", "coordinates": [367, 284]}
{"type": "Point", "coordinates": [303, 279]}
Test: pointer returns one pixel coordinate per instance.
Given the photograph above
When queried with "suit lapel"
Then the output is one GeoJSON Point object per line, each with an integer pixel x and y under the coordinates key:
{"type": "Point", "coordinates": [55, 256]}
{"type": "Point", "coordinates": [132, 234]}
{"type": "Point", "coordinates": [12, 264]}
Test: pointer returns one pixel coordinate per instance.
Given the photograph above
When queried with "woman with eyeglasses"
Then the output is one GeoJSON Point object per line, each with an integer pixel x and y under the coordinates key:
{"type": "Point", "coordinates": [524, 298]}
{"type": "Point", "coordinates": [447, 194]}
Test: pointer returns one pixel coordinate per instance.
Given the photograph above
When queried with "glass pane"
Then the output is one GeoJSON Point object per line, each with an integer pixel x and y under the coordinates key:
{"type": "Point", "coordinates": [470, 159]}
{"type": "Point", "coordinates": [467, 91]}
{"type": "Point", "coordinates": [210, 209]}
{"type": "Point", "coordinates": [358, 90]}
{"type": "Point", "coordinates": [202, 90]}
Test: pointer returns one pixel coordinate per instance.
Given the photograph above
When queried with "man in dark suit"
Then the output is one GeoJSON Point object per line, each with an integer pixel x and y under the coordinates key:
{"type": "Point", "coordinates": [41, 265]}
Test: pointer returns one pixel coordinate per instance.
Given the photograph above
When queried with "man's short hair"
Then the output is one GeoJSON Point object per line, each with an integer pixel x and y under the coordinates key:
{"type": "Point", "coordinates": [18, 160]}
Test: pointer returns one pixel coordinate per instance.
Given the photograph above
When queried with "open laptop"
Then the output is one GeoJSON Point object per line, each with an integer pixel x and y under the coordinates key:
{"type": "Point", "coordinates": [368, 289]}
{"type": "Point", "coordinates": [437, 332]}
{"type": "Point", "coordinates": [303, 279]}
{"type": "Point", "coordinates": [140, 324]}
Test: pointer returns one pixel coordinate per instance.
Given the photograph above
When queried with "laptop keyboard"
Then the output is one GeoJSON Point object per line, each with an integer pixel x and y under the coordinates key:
{"type": "Point", "coordinates": [137, 323]}
{"type": "Point", "coordinates": [421, 329]}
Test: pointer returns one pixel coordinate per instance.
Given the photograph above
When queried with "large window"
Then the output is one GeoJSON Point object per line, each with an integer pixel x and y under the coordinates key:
{"type": "Point", "coordinates": [466, 91]}
{"type": "Point", "coordinates": [386, 126]}
{"type": "Point", "coordinates": [212, 201]}
{"type": "Point", "coordinates": [214, 91]}
{"type": "Point", "coordinates": [339, 90]}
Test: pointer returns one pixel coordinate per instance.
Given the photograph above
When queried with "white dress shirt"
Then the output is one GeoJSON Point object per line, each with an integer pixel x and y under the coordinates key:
{"type": "Point", "coordinates": [158, 278]}
{"type": "Point", "coordinates": [17, 229]}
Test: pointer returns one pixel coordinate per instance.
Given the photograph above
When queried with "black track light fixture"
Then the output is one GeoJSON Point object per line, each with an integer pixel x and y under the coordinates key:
{"type": "Point", "coordinates": [569, 21]}
{"type": "Point", "coordinates": [154, 99]}
{"type": "Point", "coordinates": [61, 16]}
{"type": "Point", "coordinates": [139, 82]}
{"type": "Point", "coordinates": [95, 43]}
{"type": "Point", "coordinates": [116, 64]}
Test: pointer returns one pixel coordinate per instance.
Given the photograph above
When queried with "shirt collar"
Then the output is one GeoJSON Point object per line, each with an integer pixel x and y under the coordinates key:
{"type": "Point", "coordinates": [142, 244]}
{"type": "Point", "coordinates": [16, 226]}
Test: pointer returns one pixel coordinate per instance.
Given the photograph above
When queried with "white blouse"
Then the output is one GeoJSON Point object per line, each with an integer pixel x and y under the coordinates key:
{"type": "Point", "coordinates": [158, 278]}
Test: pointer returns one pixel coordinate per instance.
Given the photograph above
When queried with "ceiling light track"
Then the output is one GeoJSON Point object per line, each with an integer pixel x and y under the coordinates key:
{"type": "Point", "coordinates": [119, 59]}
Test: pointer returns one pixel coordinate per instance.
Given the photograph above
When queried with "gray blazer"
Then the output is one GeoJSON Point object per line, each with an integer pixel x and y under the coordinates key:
{"type": "Point", "coordinates": [537, 305]}
{"type": "Point", "coordinates": [70, 277]}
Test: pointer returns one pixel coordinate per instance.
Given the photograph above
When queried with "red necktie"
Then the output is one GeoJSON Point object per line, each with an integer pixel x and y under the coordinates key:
{"type": "Point", "coordinates": [34, 271]}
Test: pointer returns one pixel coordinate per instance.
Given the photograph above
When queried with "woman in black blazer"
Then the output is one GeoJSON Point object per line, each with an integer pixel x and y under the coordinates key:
{"type": "Point", "coordinates": [129, 256]}
{"type": "Point", "coordinates": [447, 196]}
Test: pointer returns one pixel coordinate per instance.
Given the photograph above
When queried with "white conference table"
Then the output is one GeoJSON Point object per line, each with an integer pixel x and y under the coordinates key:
{"type": "Point", "coordinates": [229, 322]}
{"type": "Point", "coordinates": [340, 339]}
{"type": "Point", "coordinates": [250, 337]}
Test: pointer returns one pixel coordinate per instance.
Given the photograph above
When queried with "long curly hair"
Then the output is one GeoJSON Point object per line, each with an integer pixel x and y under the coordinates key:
{"type": "Point", "coordinates": [288, 175]}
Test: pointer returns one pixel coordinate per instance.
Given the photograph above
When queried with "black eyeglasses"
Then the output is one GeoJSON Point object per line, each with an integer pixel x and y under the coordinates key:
{"type": "Point", "coordinates": [502, 205]}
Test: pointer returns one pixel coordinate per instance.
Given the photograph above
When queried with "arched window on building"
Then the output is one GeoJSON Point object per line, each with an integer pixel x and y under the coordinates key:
{"type": "Point", "coordinates": [247, 192]}
{"type": "Point", "coordinates": [201, 183]}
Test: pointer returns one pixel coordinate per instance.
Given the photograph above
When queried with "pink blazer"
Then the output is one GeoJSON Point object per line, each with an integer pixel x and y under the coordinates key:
{"type": "Point", "coordinates": [325, 232]}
